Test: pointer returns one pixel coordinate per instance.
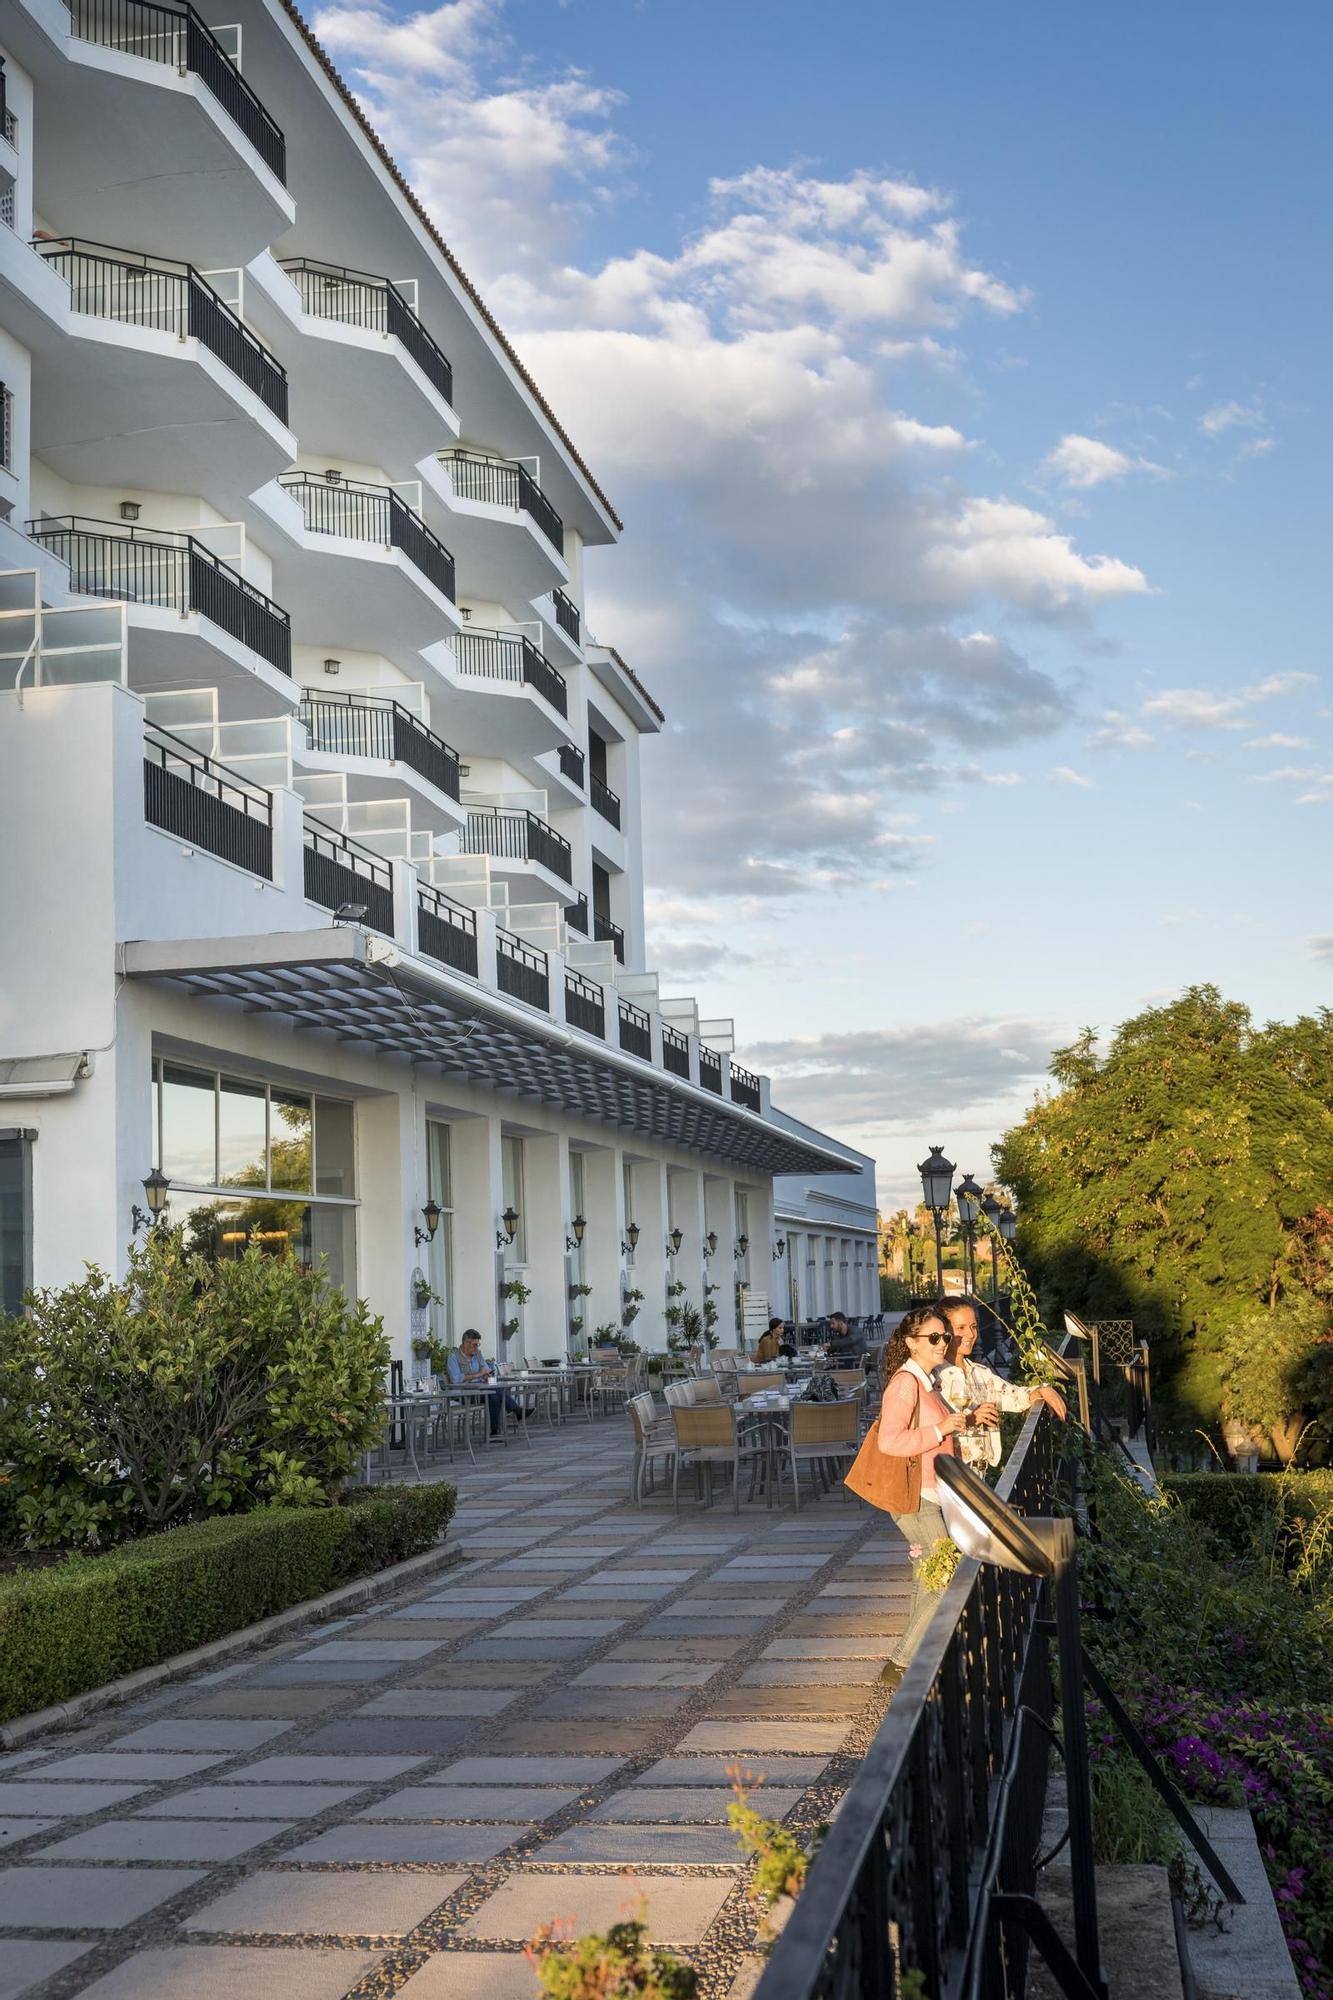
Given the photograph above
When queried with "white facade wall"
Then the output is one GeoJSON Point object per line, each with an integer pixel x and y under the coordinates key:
{"type": "Point", "coordinates": [202, 413]}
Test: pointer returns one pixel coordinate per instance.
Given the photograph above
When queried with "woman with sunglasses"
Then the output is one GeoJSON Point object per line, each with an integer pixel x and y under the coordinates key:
{"type": "Point", "coordinates": [915, 1422]}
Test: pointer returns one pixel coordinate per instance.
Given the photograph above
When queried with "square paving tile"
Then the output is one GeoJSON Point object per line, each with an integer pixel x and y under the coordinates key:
{"type": "Point", "coordinates": [560, 1628]}
{"type": "Point", "coordinates": [695, 1606]}
{"type": "Point", "coordinates": [477, 1802]}
{"type": "Point", "coordinates": [590, 1702]}
{"type": "Point", "coordinates": [527, 1770]}
{"type": "Point", "coordinates": [431, 1846]}
{"type": "Point", "coordinates": [387, 1735]}
{"type": "Point", "coordinates": [448, 1701]}
{"type": "Point", "coordinates": [647, 1674]}
{"type": "Point", "coordinates": [200, 1735]}
{"type": "Point", "coordinates": [28, 1961]}
{"type": "Point", "coordinates": [842, 1673]}
{"type": "Point", "coordinates": [679, 1804]}
{"type": "Point", "coordinates": [471, 1975]}
{"type": "Point", "coordinates": [104, 1899]}
{"type": "Point", "coordinates": [221, 1971]}
{"type": "Point", "coordinates": [538, 1735]}
{"type": "Point", "coordinates": [676, 1649]}
{"type": "Point", "coordinates": [148, 1766]}
{"type": "Point", "coordinates": [668, 1626]}
{"type": "Point", "coordinates": [637, 1846]}
{"type": "Point", "coordinates": [319, 1673]}
{"type": "Point", "coordinates": [791, 1701]}
{"type": "Point", "coordinates": [372, 1651]}
{"type": "Point", "coordinates": [297, 1704]}
{"type": "Point", "coordinates": [166, 1840]}
{"type": "Point", "coordinates": [488, 1674]}
{"type": "Point", "coordinates": [615, 1593]}
{"type": "Point", "coordinates": [754, 1738]}
{"type": "Point", "coordinates": [680, 1909]}
{"type": "Point", "coordinates": [841, 1646]}
{"type": "Point", "coordinates": [14, 1830]}
{"type": "Point", "coordinates": [801, 1771]}
{"type": "Point", "coordinates": [241, 1801]}
{"type": "Point", "coordinates": [496, 1648]}
{"type": "Point", "coordinates": [441, 1631]}
{"type": "Point", "coordinates": [298, 1769]}
{"type": "Point", "coordinates": [31, 1799]}
{"type": "Point", "coordinates": [346, 1904]}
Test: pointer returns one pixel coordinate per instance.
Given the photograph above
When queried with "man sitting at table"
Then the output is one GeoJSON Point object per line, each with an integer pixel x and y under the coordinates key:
{"type": "Point", "coordinates": [467, 1370]}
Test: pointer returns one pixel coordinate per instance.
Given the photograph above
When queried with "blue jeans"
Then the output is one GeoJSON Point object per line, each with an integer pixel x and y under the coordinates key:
{"type": "Point", "coordinates": [498, 1400]}
{"type": "Point", "coordinates": [921, 1531]}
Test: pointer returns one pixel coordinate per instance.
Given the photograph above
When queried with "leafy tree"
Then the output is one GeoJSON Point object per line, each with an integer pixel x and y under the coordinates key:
{"type": "Point", "coordinates": [1176, 1175]}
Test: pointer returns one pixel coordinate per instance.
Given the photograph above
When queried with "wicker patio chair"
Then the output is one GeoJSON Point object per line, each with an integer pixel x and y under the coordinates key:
{"type": "Point", "coordinates": [654, 1437]}
{"type": "Point", "coordinates": [707, 1436]}
{"type": "Point", "coordinates": [821, 1434]}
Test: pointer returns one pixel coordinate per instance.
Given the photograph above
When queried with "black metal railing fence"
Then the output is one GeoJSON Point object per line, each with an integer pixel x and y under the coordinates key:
{"type": "Point", "coordinates": [744, 1087]}
{"type": "Point", "coordinates": [446, 931]}
{"type": "Point", "coordinates": [585, 1004]}
{"type": "Point", "coordinates": [504, 483]}
{"type": "Point", "coordinates": [177, 35]}
{"type": "Point", "coordinates": [359, 298]}
{"type": "Point", "coordinates": [604, 800]}
{"type": "Point", "coordinates": [188, 794]}
{"type": "Point", "coordinates": [134, 289]}
{"type": "Point", "coordinates": [514, 834]}
{"type": "Point", "coordinates": [340, 873]}
{"type": "Point", "coordinates": [362, 513]}
{"type": "Point", "coordinates": [521, 970]}
{"type": "Point", "coordinates": [367, 725]}
{"type": "Point", "coordinates": [675, 1052]}
{"type": "Point", "coordinates": [636, 1034]}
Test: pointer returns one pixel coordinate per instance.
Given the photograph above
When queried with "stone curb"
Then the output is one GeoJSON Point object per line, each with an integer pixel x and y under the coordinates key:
{"type": "Point", "coordinates": [364, 1590]}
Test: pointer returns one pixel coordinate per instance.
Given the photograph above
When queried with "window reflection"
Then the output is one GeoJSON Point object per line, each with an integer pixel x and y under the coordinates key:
{"type": "Point", "coordinates": [242, 1133]}
{"type": "Point", "coordinates": [291, 1153]}
{"type": "Point", "coordinates": [189, 1128]}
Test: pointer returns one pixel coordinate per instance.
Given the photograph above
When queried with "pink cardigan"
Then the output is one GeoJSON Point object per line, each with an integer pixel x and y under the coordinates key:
{"type": "Point", "coordinates": [900, 1437]}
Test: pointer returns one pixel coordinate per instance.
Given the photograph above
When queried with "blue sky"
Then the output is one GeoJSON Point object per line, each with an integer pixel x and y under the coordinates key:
{"type": "Point", "coordinates": [961, 375]}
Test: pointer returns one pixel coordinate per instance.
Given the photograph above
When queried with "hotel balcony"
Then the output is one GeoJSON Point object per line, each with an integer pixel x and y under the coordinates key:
{"type": "Point", "coordinates": [508, 537]}
{"type": "Point", "coordinates": [533, 859]}
{"type": "Point", "coordinates": [142, 375]}
{"type": "Point", "coordinates": [517, 701]}
{"type": "Point", "coordinates": [604, 800]}
{"type": "Point", "coordinates": [355, 346]}
{"type": "Point", "coordinates": [359, 568]}
{"type": "Point", "coordinates": [594, 925]}
{"type": "Point", "coordinates": [341, 875]}
{"type": "Point", "coordinates": [373, 739]}
{"type": "Point", "coordinates": [145, 114]}
{"type": "Point", "coordinates": [562, 624]}
{"type": "Point", "coordinates": [194, 621]}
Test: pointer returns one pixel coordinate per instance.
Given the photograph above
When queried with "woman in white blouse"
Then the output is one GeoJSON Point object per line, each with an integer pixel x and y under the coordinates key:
{"type": "Point", "coordinates": [965, 1383]}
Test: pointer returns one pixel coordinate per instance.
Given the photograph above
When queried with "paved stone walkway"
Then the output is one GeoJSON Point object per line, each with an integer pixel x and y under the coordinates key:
{"type": "Point", "coordinates": [392, 1804]}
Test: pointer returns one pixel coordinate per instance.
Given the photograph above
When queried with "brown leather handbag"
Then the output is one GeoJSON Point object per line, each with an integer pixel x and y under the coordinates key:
{"type": "Point", "coordinates": [891, 1484]}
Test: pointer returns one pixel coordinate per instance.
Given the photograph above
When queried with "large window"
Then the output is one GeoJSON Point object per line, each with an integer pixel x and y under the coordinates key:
{"type": "Point", "coordinates": [576, 1207]}
{"type": "Point", "coordinates": [252, 1162]}
{"type": "Point", "coordinates": [440, 1252]}
{"type": "Point", "coordinates": [628, 1173]}
{"type": "Point", "coordinates": [15, 1218]}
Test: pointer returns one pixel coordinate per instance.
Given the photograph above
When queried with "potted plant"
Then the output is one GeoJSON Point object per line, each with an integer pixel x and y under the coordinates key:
{"type": "Point", "coordinates": [515, 1289]}
{"type": "Point", "coordinates": [580, 1291]}
{"type": "Point", "coordinates": [509, 1327]}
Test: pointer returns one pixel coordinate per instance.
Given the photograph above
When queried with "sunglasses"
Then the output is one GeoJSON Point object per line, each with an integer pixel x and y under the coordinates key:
{"type": "Point", "coordinates": [935, 1339]}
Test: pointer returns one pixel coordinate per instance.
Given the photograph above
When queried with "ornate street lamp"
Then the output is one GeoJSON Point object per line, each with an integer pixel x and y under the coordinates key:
{"type": "Point", "coordinates": [742, 1247]}
{"type": "Point", "coordinates": [432, 1213]}
{"type": "Point", "coordinates": [631, 1242]}
{"type": "Point", "coordinates": [156, 1187]}
{"type": "Point", "coordinates": [969, 1197]}
{"type": "Point", "coordinates": [578, 1225]}
{"type": "Point", "coordinates": [674, 1241]}
{"type": "Point", "coordinates": [993, 1210]}
{"type": "Point", "coordinates": [937, 1189]}
{"type": "Point", "coordinates": [507, 1234]}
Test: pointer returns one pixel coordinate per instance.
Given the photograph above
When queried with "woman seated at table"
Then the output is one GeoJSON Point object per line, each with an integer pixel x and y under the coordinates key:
{"type": "Point", "coordinates": [775, 1343]}
{"type": "Point", "coordinates": [467, 1370]}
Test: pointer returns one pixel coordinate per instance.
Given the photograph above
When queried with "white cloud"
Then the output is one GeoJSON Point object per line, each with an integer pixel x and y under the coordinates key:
{"type": "Point", "coordinates": [1081, 462]}
{"type": "Point", "coordinates": [1278, 741]}
{"type": "Point", "coordinates": [805, 567]}
{"type": "Point", "coordinates": [1322, 947]}
{"type": "Point", "coordinates": [1118, 732]}
{"type": "Point", "coordinates": [1223, 417]}
{"type": "Point", "coordinates": [1206, 708]}
{"type": "Point", "coordinates": [1064, 774]}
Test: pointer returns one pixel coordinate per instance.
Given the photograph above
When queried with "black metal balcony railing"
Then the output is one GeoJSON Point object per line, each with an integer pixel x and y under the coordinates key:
{"type": "Point", "coordinates": [446, 931]}
{"type": "Point", "coordinates": [176, 35]}
{"type": "Point", "coordinates": [371, 725]}
{"type": "Point", "coordinates": [357, 298]}
{"type": "Point", "coordinates": [188, 794]}
{"type": "Point", "coordinates": [604, 800]}
{"type": "Point", "coordinates": [155, 566]}
{"type": "Point", "coordinates": [675, 1052]}
{"type": "Point", "coordinates": [576, 916]}
{"type": "Point", "coordinates": [567, 615]}
{"type": "Point", "coordinates": [504, 483]}
{"type": "Point", "coordinates": [710, 1069]}
{"type": "Point", "coordinates": [636, 1034]}
{"type": "Point", "coordinates": [606, 932]}
{"type": "Point", "coordinates": [511, 833]}
{"type": "Point", "coordinates": [339, 872]}
{"type": "Point", "coordinates": [521, 970]}
{"type": "Point", "coordinates": [6, 427]}
{"type": "Point", "coordinates": [135, 289]}
{"type": "Point", "coordinates": [362, 513]}
{"type": "Point", "coordinates": [585, 1004]}
{"type": "Point", "coordinates": [510, 656]}
{"type": "Point", "coordinates": [936, 1843]}
{"type": "Point", "coordinates": [571, 763]}
{"type": "Point", "coordinates": [744, 1087]}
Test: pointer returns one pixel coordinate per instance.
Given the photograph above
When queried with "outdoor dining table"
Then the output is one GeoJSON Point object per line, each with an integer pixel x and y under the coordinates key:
{"type": "Point", "coordinates": [770, 1413]}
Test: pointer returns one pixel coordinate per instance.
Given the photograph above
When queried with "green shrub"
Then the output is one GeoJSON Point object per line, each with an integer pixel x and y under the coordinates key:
{"type": "Point", "coordinates": [1245, 1512]}
{"type": "Point", "coordinates": [191, 1388]}
{"type": "Point", "coordinates": [1277, 1373]}
{"type": "Point", "coordinates": [89, 1619]}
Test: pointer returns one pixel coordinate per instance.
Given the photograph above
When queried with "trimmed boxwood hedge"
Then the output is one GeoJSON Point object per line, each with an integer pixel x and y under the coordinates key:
{"type": "Point", "coordinates": [89, 1619]}
{"type": "Point", "coordinates": [1237, 1507]}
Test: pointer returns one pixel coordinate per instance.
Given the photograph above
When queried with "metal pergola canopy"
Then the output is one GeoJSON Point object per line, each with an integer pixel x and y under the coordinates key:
{"type": "Point", "coordinates": [353, 988]}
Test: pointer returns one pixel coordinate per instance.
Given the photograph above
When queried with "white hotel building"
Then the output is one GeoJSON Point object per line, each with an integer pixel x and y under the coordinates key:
{"type": "Point", "coordinates": [322, 890]}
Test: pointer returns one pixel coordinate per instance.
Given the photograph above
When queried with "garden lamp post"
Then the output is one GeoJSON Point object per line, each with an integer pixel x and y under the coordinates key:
{"type": "Point", "coordinates": [969, 1197]}
{"type": "Point", "coordinates": [937, 1189]}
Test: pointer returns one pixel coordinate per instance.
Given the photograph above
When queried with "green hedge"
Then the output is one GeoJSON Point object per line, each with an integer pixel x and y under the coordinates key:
{"type": "Point", "coordinates": [90, 1619]}
{"type": "Point", "coordinates": [1238, 1507]}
